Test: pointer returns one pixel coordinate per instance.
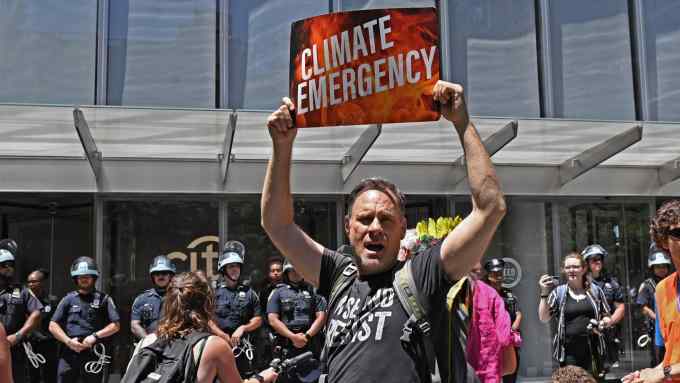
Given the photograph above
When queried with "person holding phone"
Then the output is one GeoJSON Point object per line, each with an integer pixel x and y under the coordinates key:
{"type": "Point", "coordinates": [581, 312]}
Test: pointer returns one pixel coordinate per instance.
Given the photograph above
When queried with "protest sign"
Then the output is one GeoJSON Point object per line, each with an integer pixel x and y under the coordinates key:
{"type": "Point", "coordinates": [365, 67]}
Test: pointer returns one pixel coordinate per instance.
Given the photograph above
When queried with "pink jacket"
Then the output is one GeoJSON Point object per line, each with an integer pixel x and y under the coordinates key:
{"type": "Point", "coordinates": [489, 332]}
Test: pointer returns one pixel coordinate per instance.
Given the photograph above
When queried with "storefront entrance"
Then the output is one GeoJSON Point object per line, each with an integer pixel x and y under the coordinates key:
{"type": "Point", "coordinates": [52, 231]}
{"type": "Point", "coordinates": [622, 229]}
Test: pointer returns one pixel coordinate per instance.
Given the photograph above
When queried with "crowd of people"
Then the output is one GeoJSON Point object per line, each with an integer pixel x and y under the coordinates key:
{"type": "Point", "coordinates": [374, 311]}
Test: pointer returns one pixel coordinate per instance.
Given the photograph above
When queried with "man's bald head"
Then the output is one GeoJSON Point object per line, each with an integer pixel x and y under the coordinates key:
{"type": "Point", "coordinates": [37, 275]}
{"type": "Point", "coordinates": [35, 281]}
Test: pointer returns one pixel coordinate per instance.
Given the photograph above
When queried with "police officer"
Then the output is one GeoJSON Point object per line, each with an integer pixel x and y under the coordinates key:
{"type": "Point", "coordinates": [296, 314]}
{"type": "Point", "coordinates": [659, 263]}
{"type": "Point", "coordinates": [19, 309]}
{"type": "Point", "coordinates": [42, 342]}
{"type": "Point", "coordinates": [494, 277]}
{"type": "Point", "coordinates": [237, 307]}
{"type": "Point", "coordinates": [265, 335]}
{"type": "Point", "coordinates": [83, 321]}
{"type": "Point", "coordinates": [146, 308]}
{"type": "Point", "coordinates": [594, 255]}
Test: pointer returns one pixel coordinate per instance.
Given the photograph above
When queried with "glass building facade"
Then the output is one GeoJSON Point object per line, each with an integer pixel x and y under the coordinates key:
{"type": "Point", "coordinates": [176, 95]}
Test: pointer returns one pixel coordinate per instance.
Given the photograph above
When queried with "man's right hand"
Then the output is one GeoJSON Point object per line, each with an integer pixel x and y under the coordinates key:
{"type": "Point", "coordinates": [299, 340]}
{"type": "Point", "coordinates": [75, 345]}
{"type": "Point", "coordinates": [281, 124]}
{"type": "Point", "coordinates": [546, 284]}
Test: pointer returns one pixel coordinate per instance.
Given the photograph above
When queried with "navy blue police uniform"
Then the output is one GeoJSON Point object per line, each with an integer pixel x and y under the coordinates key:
{"type": "Point", "coordinates": [296, 305]}
{"type": "Point", "coordinates": [235, 307]}
{"type": "Point", "coordinates": [614, 293]}
{"type": "Point", "coordinates": [147, 307]}
{"type": "Point", "coordinates": [512, 307]}
{"type": "Point", "coordinates": [81, 315]}
{"type": "Point", "coordinates": [646, 297]}
{"type": "Point", "coordinates": [16, 304]}
{"type": "Point", "coordinates": [43, 343]}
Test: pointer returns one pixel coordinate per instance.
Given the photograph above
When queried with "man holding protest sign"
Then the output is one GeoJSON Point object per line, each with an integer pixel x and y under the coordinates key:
{"type": "Point", "coordinates": [366, 321]}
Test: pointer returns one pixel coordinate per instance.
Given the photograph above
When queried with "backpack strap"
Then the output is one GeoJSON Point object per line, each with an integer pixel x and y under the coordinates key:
{"type": "Point", "coordinates": [651, 283]}
{"type": "Point", "coordinates": [344, 281]}
{"type": "Point", "coordinates": [196, 342]}
{"type": "Point", "coordinates": [417, 330]}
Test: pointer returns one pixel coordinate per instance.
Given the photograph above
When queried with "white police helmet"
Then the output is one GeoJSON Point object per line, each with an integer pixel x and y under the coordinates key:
{"type": "Point", "coordinates": [594, 250]}
{"type": "Point", "coordinates": [84, 266]}
{"type": "Point", "coordinates": [160, 264]}
{"type": "Point", "coordinates": [8, 250]}
{"type": "Point", "coordinates": [658, 257]}
{"type": "Point", "coordinates": [228, 257]}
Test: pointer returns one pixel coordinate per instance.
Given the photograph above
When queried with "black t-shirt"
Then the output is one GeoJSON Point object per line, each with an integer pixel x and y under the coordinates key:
{"type": "Point", "coordinates": [577, 315]}
{"type": "Point", "coordinates": [371, 350]}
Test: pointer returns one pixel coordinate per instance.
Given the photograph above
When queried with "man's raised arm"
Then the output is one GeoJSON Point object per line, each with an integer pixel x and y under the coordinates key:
{"type": "Point", "coordinates": [277, 202]}
{"type": "Point", "coordinates": [466, 244]}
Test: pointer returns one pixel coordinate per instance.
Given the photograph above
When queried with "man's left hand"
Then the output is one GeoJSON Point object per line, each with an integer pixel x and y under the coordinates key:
{"type": "Point", "coordinates": [90, 341]}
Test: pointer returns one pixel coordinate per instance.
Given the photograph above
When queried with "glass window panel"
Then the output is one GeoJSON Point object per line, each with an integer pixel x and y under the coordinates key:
{"type": "Point", "coordinates": [51, 231]}
{"type": "Point", "coordinates": [662, 34]}
{"type": "Point", "coordinates": [623, 230]}
{"type": "Point", "coordinates": [48, 51]}
{"type": "Point", "coordinates": [162, 53]}
{"type": "Point", "coordinates": [493, 54]}
{"type": "Point", "coordinates": [259, 49]}
{"type": "Point", "coordinates": [591, 61]}
{"type": "Point", "coordinates": [350, 5]}
{"type": "Point", "coordinates": [137, 231]}
{"type": "Point", "coordinates": [317, 218]}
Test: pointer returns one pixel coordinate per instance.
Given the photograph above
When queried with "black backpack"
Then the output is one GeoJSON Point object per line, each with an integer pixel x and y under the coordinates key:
{"type": "Point", "coordinates": [167, 361]}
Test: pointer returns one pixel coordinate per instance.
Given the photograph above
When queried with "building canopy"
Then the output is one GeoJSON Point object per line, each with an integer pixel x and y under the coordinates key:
{"type": "Point", "coordinates": [200, 151]}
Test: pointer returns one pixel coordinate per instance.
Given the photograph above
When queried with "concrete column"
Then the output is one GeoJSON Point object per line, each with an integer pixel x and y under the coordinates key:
{"type": "Point", "coordinates": [524, 238]}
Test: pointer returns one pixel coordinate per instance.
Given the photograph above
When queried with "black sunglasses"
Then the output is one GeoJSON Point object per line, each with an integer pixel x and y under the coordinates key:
{"type": "Point", "coordinates": [675, 233]}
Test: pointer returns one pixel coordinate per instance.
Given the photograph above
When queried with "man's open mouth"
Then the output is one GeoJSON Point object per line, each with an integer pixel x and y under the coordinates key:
{"type": "Point", "coordinates": [375, 247]}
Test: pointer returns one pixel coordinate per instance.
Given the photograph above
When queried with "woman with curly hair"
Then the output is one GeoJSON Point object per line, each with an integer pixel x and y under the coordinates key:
{"type": "Point", "coordinates": [187, 311]}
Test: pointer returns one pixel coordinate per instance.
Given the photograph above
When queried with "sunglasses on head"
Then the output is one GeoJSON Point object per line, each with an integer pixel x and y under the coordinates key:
{"type": "Point", "coordinates": [675, 233]}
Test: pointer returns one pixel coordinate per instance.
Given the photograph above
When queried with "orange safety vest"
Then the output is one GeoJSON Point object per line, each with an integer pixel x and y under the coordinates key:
{"type": "Point", "coordinates": [669, 318]}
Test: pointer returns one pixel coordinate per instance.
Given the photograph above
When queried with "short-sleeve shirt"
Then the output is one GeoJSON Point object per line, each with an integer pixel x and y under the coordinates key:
{"type": "Point", "coordinates": [646, 292]}
{"type": "Point", "coordinates": [612, 289]}
{"type": "Point", "coordinates": [658, 338]}
{"type": "Point", "coordinates": [296, 305]}
{"type": "Point", "coordinates": [80, 315]}
{"type": "Point", "coordinates": [42, 333]}
{"type": "Point", "coordinates": [16, 304]}
{"type": "Point", "coordinates": [366, 321]}
{"type": "Point", "coordinates": [146, 309]}
{"type": "Point", "coordinates": [668, 319]}
{"type": "Point", "coordinates": [264, 294]}
{"type": "Point", "coordinates": [235, 307]}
